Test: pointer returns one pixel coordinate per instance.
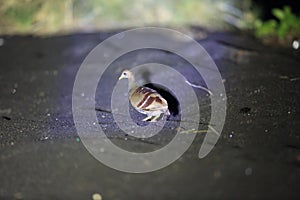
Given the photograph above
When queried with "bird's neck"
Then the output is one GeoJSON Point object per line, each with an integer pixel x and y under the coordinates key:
{"type": "Point", "coordinates": [132, 84]}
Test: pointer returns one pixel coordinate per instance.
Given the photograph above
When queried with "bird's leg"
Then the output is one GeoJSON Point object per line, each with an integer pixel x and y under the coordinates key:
{"type": "Point", "coordinates": [148, 117]}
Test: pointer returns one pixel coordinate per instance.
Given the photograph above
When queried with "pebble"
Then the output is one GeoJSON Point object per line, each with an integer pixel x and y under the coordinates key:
{"type": "Point", "coordinates": [248, 171]}
{"type": "Point", "coordinates": [257, 91]}
{"type": "Point", "coordinates": [97, 196]}
{"type": "Point", "coordinates": [14, 91]}
{"type": "Point", "coordinates": [296, 44]}
{"type": "Point", "coordinates": [43, 138]}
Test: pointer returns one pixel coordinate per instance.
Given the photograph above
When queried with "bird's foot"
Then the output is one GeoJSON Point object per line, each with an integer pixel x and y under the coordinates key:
{"type": "Point", "coordinates": [155, 118]}
{"type": "Point", "coordinates": [147, 118]}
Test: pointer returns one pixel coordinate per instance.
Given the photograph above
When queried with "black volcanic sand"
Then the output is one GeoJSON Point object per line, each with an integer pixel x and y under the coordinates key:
{"type": "Point", "coordinates": [42, 157]}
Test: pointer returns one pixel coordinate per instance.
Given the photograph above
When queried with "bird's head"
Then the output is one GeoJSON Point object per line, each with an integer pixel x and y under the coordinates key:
{"type": "Point", "coordinates": [126, 74]}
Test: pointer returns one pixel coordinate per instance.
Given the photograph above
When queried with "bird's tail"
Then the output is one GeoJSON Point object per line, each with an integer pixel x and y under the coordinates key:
{"type": "Point", "coordinates": [167, 112]}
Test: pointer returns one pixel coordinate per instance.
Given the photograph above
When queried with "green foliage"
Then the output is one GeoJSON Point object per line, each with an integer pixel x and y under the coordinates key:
{"type": "Point", "coordinates": [288, 25]}
{"type": "Point", "coordinates": [40, 16]}
{"type": "Point", "coordinates": [24, 14]}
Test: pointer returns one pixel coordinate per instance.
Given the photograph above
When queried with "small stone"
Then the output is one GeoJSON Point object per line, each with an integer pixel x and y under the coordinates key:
{"type": "Point", "coordinates": [248, 171]}
{"type": "Point", "coordinates": [43, 138]}
{"type": "Point", "coordinates": [77, 139]}
{"type": "Point", "coordinates": [296, 44]}
{"type": "Point", "coordinates": [97, 196]}
{"type": "Point", "coordinates": [257, 91]}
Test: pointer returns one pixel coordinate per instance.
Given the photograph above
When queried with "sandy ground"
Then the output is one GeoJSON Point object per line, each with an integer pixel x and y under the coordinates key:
{"type": "Point", "coordinates": [42, 157]}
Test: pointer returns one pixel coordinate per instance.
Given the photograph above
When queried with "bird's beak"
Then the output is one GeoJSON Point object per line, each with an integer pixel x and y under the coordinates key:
{"type": "Point", "coordinates": [121, 77]}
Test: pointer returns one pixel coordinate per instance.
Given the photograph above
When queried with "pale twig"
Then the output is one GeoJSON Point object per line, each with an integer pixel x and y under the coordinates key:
{"type": "Point", "coordinates": [193, 131]}
{"type": "Point", "coordinates": [200, 87]}
{"type": "Point", "coordinates": [213, 130]}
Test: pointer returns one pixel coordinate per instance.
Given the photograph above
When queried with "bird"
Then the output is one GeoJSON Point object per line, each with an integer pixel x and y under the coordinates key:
{"type": "Point", "coordinates": [144, 99]}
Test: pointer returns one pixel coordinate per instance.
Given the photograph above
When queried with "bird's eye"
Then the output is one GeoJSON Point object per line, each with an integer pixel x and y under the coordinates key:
{"type": "Point", "coordinates": [125, 74]}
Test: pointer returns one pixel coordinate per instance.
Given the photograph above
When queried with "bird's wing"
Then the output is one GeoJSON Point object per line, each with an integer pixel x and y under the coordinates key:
{"type": "Point", "coordinates": [147, 99]}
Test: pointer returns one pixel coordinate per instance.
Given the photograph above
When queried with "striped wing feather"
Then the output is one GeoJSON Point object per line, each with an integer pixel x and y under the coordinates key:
{"type": "Point", "coordinates": [157, 104]}
{"type": "Point", "coordinates": [147, 99]}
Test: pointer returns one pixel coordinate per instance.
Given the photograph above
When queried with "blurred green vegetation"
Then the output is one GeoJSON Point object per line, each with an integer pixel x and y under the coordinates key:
{"type": "Point", "coordinates": [285, 28]}
{"type": "Point", "coordinates": [60, 16]}
{"type": "Point", "coordinates": [40, 16]}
